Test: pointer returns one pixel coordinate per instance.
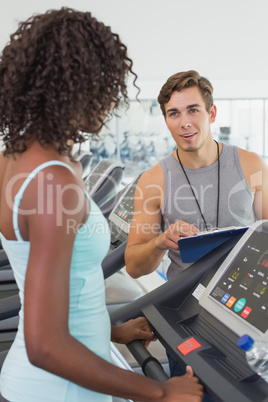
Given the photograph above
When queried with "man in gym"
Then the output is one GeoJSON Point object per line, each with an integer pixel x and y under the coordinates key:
{"type": "Point", "coordinates": [203, 184]}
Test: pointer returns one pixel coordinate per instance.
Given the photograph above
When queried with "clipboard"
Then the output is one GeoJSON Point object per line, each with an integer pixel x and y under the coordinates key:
{"type": "Point", "coordinates": [195, 247]}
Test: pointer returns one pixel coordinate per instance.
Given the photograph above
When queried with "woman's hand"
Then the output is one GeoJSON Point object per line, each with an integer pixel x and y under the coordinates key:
{"type": "Point", "coordinates": [132, 330]}
{"type": "Point", "coordinates": [185, 388]}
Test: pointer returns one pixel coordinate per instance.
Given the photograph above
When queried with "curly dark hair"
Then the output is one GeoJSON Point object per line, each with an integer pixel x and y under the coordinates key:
{"type": "Point", "coordinates": [60, 74]}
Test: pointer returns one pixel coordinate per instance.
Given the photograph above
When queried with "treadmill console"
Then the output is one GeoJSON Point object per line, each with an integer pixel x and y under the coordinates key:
{"type": "Point", "coordinates": [125, 208]}
{"type": "Point", "coordinates": [238, 293]}
{"type": "Point", "coordinates": [122, 214]}
{"type": "Point", "coordinates": [199, 315]}
{"type": "Point", "coordinates": [99, 174]}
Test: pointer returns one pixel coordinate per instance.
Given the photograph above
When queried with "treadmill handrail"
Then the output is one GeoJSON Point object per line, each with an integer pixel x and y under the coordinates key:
{"type": "Point", "coordinates": [151, 367]}
{"type": "Point", "coordinates": [9, 307]}
{"type": "Point", "coordinates": [178, 287]}
{"type": "Point", "coordinates": [114, 261]}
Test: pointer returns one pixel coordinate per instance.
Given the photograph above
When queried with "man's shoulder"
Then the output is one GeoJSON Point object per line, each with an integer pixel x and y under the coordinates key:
{"type": "Point", "coordinates": [249, 157]}
{"type": "Point", "coordinates": [251, 162]}
{"type": "Point", "coordinates": [152, 175]}
{"type": "Point", "coordinates": [152, 181]}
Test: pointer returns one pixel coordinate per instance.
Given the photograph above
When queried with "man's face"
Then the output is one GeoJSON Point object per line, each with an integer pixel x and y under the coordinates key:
{"type": "Point", "coordinates": [188, 119]}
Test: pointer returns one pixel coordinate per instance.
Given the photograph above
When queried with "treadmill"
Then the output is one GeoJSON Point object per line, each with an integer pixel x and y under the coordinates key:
{"type": "Point", "coordinates": [200, 326]}
{"type": "Point", "coordinates": [85, 158]}
{"type": "Point", "coordinates": [103, 181]}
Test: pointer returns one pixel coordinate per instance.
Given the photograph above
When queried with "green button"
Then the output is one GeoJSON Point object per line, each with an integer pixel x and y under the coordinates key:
{"type": "Point", "coordinates": [239, 305]}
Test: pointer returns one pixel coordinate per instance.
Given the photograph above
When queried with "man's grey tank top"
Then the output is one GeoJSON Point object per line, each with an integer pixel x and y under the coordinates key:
{"type": "Point", "coordinates": [235, 203]}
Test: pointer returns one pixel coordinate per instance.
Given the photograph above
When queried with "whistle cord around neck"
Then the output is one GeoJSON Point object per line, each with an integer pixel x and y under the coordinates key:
{"type": "Point", "coordinates": [196, 200]}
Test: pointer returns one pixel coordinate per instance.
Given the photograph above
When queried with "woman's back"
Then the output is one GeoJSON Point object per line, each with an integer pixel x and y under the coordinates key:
{"type": "Point", "coordinates": [88, 318]}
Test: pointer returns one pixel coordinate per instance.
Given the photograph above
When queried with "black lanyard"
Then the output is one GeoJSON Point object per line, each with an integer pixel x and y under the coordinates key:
{"type": "Point", "coordinates": [196, 200]}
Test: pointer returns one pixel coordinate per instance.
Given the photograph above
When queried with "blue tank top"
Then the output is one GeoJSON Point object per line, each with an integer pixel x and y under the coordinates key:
{"type": "Point", "coordinates": [235, 204]}
{"type": "Point", "coordinates": [89, 321]}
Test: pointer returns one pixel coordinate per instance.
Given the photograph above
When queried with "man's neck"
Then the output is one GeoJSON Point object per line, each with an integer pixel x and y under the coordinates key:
{"type": "Point", "coordinates": [203, 157]}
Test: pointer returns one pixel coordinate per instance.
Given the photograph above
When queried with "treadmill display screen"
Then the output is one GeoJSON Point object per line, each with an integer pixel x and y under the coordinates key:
{"type": "Point", "coordinates": [125, 209]}
{"type": "Point", "coordinates": [97, 173]}
{"type": "Point", "coordinates": [243, 288]}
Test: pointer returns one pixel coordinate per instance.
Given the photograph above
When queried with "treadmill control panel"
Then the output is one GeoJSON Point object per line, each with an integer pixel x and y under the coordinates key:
{"type": "Point", "coordinates": [122, 214]}
{"type": "Point", "coordinates": [97, 173]}
{"type": "Point", "coordinates": [243, 287]}
{"type": "Point", "coordinates": [125, 209]}
{"type": "Point", "coordinates": [100, 174]}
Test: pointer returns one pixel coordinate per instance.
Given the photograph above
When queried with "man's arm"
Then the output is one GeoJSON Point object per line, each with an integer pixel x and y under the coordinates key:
{"type": "Point", "coordinates": [146, 244]}
{"type": "Point", "coordinates": [256, 173]}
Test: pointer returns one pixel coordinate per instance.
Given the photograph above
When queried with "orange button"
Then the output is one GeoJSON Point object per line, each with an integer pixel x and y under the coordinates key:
{"type": "Point", "coordinates": [188, 346]}
{"type": "Point", "coordinates": [231, 301]}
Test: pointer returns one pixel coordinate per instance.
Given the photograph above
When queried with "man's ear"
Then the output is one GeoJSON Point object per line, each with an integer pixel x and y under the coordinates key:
{"type": "Point", "coordinates": [213, 113]}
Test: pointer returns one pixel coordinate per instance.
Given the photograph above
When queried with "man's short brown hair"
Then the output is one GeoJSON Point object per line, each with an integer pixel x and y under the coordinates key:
{"type": "Point", "coordinates": [183, 80]}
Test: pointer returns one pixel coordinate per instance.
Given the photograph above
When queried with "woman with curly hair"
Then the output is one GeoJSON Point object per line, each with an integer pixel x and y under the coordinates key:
{"type": "Point", "coordinates": [61, 74]}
